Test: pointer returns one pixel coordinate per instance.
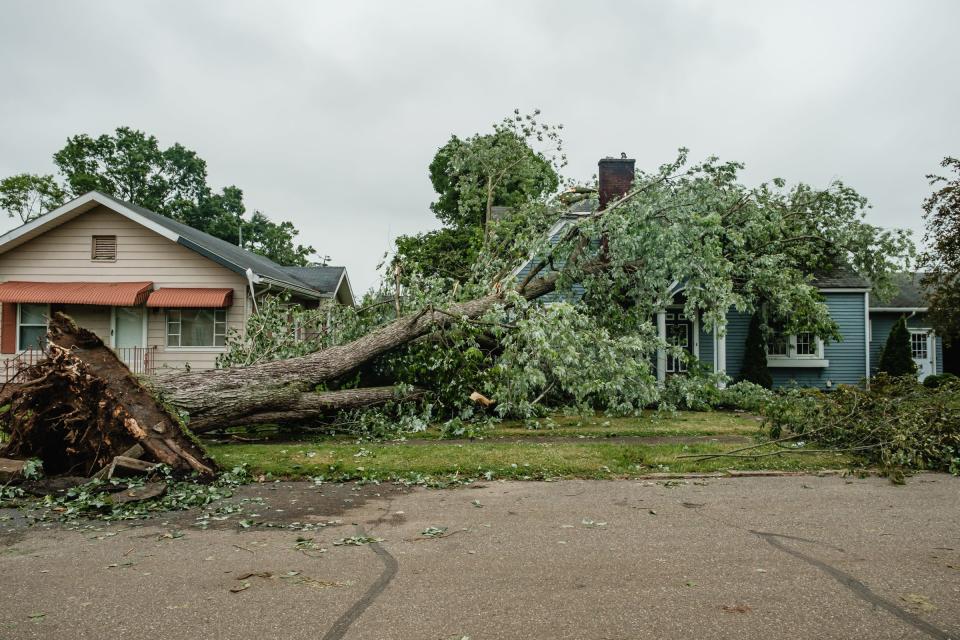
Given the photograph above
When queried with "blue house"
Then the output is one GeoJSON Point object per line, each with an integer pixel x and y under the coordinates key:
{"type": "Point", "coordinates": [793, 359]}
{"type": "Point", "coordinates": [910, 303]}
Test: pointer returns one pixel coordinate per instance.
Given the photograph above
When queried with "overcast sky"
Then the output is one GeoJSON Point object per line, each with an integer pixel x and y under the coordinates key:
{"type": "Point", "coordinates": [328, 113]}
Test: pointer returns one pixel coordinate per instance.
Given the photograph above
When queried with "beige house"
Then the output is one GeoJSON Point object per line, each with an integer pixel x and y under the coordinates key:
{"type": "Point", "coordinates": [159, 292]}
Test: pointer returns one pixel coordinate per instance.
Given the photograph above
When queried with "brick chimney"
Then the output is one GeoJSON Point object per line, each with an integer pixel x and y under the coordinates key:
{"type": "Point", "coordinates": [616, 177]}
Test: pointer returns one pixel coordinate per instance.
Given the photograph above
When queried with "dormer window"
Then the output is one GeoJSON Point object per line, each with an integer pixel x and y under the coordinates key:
{"type": "Point", "coordinates": [104, 249]}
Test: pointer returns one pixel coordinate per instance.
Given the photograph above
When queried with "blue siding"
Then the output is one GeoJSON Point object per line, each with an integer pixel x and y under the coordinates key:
{"type": "Point", "coordinates": [846, 358]}
{"type": "Point", "coordinates": [706, 348]}
{"type": "Point", "coordinates": [881, 322]}
{"type": "Point", "coordinates": [737, 326]}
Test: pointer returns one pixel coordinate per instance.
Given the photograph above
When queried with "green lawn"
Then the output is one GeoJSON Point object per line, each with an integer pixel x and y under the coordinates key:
{"type": "Point", "coordinates": [440, 462]}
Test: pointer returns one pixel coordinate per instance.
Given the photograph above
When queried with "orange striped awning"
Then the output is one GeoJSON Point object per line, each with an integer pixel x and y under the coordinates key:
{"type": "Point", "coordinates": [111, 294]}
{"type": "Point", "coordinates": [173, 298]}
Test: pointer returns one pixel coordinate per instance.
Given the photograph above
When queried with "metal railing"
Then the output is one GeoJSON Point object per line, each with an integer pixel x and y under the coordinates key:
{"type": "Point", "coordinates": [140, 360]}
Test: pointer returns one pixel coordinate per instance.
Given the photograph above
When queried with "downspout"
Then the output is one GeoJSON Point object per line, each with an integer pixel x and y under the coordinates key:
{"type": "Point", "coordinates": [867, 338]}
{"type": "Point", "coordinates": [253, 294]}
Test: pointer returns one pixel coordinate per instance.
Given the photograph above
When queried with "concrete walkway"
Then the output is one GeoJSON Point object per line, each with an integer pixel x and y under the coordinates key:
{"type": "Point", "coordinates": [792, 557]}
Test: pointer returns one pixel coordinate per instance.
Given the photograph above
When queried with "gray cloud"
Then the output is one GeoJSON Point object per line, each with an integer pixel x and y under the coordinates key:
{"type": "Point", "coordinates": [328, 115]}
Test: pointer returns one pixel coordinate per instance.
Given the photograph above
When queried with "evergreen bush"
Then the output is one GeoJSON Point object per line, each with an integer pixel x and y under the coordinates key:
{"type": "Point", "coordinates": [896, 358]}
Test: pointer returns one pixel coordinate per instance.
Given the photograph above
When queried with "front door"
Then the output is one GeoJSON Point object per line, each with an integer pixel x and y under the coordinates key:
{"type": "Point", "coordinates": [921, 348]}
{"type": "Point", "coordinates": [128, 337]}
{"type": "Point", "coordinates": [128, 327]}
{"type": "Point", "coordinates": [679, 331]}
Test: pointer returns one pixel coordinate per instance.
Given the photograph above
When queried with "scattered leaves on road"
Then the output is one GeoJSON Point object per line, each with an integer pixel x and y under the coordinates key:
{"type": "Point", "coordinates": [356, 541]}
{"type": "Point", "coordinates": [919, 602]}
{"type": "Point", "coordinates": [171, 535]}
{"type": "Point", "coordinates": [592, 524]}
{"type": "Point", "coordinates": [737, 608]}
{"type": "Point", "coordinates": [434, 532]}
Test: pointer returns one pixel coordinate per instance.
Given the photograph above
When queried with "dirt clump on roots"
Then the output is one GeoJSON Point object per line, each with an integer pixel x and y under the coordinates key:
{"type": "Point", "coordinates": [80, 407]}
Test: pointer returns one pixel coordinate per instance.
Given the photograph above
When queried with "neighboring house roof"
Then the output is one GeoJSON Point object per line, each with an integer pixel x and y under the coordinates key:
{"type": "Point", "coordinates": [326, 279]}
{"type": "Point", "coordinates": [220, 251]}
{"type": "Point", "coordinates": [910, 294]}
{"type": "Point", "coordinates": [841, 277]}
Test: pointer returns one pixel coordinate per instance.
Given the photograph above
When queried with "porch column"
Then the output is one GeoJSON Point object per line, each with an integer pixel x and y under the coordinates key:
{"type": "Point", "coordinates": [662, 353]}
{"type": "Point", "coordinates": [720, 351]}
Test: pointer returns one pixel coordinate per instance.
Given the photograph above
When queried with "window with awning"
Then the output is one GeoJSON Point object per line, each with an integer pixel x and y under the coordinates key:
{"type": "Point", "coordinates": [180, 298]}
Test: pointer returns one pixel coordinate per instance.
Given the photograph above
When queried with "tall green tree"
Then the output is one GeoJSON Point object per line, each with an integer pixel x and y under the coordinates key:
{"type": "Point", "coordinates": [514, 164]}
{"type": "Point", "coordinates": [941, 260]}
{"type": "Point", "coordinates": [132, 165]}
{"type": "Point", "coordinates": [501, 168]}
{"type": "Point", "coordinates": [26, 195]}
{"type": "Point", "coordinates": [897, 358]}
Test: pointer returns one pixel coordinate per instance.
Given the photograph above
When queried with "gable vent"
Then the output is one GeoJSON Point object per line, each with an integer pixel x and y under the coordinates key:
{"type": "Point", "coordinates": [104, 248]}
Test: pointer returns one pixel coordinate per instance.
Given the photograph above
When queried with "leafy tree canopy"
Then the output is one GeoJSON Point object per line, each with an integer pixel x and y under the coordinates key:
{"type": "Point", "coordinates": [26, 196]}
{"type": "Point", "coordinates": [942, 257]}
{"type": "Point", "coordinates": [132, 166]}
{"type": "Point", "coordinates": [511, 166]}
{"type": "Point", "coordinates": [696, 223]}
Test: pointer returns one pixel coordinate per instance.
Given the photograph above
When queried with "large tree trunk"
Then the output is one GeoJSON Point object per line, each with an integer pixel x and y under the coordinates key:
{"type": "Point", "coordinates": [279, 391]}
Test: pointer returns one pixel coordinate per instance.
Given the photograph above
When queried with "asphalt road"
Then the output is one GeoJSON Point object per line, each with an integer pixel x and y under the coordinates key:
{"type": "Point", "coordinates": [794, 557]}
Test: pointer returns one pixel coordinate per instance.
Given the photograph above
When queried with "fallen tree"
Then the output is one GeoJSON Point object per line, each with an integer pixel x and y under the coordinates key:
{"type": "Point", "coordinates": [696, 226]}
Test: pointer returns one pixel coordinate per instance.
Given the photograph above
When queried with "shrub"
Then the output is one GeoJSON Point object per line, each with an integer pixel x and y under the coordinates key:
{"type": "Point", "coordinates": [691, 392]}
{"type": "Point", "coordinates": [755, 356]}
{"type": "Point", "coordinates": [937, 381]}
{"type": "Point", "coordinates": [745, 396]}
{"type": "Point", "coordinates": [898, 423]}
{"type": "Point", "coordinates": [897, 359]}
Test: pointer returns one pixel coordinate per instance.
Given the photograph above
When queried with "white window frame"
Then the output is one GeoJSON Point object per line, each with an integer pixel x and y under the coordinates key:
{"type": "Point", "coordinates": [931, 344]}
{"type": "Point", "coordinates": [794, 359]}
{"type": "Point", "coordinates": [216, 323]}
{"type": "Point", "coordinates": [46, 324]}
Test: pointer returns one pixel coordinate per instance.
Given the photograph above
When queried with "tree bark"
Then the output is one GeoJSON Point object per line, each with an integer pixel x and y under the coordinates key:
{"type": "Point", "coordinates": [281, 389]}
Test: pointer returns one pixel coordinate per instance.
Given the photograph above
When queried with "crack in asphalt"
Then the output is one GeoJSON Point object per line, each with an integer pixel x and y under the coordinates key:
{"type": "Point", "coordinates": [390, 568]}
{"type": "Point", "coordinates": [858, 588]}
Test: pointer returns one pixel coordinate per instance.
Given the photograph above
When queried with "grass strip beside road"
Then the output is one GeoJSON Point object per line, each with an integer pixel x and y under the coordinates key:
{"type": "Point", "coordinates": [444, 462]}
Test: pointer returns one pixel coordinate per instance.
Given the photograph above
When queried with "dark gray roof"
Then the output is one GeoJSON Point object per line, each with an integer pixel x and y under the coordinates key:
{"type": "Point", "coordinates": [323, 279]}
{"type": "Point", "coordinates": [910, 294]}
{"type": "Point", "coordinates": [220, 251]}
{"type": "Point", "coordinates": [842, 277]}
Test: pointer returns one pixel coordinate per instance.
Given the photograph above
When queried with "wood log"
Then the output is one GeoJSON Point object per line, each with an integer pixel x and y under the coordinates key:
{"type": "Point", "coordinates": [279, 390]}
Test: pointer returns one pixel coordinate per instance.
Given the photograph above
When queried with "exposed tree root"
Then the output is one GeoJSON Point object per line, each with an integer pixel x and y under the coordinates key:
{"type": "Point", "coordinates": [80, 407]}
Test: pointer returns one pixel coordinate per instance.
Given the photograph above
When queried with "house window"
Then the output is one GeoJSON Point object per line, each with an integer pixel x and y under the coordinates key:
{"type": "Point", "coordinates": [779, 344]}
{"type": "Point", "coordinates": [32, 326]}
{"type": "Point", "coordinates": [794, 346]}
{"type": "Point", "coordinates": [104, 249]}
{"type": "Point", "coordinates": [918, 346]}
{"type": "Point", "coordinates": [196, 327]}
{"type": "Point", "coordinates": [806, 344]}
